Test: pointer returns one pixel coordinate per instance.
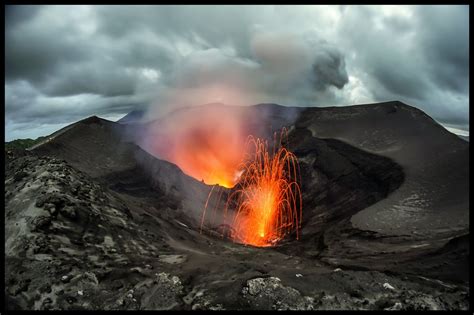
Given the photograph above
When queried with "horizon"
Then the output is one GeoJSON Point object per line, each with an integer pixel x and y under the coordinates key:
{"type": "Point", "coordinates": [116, 118]}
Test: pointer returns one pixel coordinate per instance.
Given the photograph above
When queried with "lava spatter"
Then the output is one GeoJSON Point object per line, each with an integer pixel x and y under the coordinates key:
{"type": "Point", "coordinates": [266, 204]}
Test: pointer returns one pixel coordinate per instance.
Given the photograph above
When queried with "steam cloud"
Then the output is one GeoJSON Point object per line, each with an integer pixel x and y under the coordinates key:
{"type": "Point", "coordinates": [63, 65]}
{"type": "Point", "coordinates": [283, 67]}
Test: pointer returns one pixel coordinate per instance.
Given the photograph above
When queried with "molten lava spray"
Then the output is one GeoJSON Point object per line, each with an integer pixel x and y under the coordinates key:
{"type": "Point", "coordinates": [267, 199]}
{"type": "Point", "coordinates": [211, 143]}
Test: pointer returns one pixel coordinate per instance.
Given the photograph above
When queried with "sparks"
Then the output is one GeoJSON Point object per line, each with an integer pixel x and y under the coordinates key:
{"type": "Point", "coordinates": [267, 198]}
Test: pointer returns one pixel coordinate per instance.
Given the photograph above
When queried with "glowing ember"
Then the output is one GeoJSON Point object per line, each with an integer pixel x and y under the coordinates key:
{"type": "Point", "coordinates": [267, 197]}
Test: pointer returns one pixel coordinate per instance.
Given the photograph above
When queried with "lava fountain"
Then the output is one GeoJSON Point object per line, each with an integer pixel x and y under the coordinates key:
{"type": "Point", "coordinates": [266, 204]}
{"type": "Point", "coordinates": [212, 144]}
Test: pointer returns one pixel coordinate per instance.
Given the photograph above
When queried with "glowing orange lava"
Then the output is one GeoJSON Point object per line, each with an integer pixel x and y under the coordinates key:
{"type": "Point", "coordinates": [210, 155]}
{"type": "Point", "coordinates": [267, 199]}
{"type": "Point", "coordinates": [205, 142]}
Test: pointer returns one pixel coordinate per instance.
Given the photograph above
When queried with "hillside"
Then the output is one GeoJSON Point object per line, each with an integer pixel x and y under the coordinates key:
{"type": "Point", "coordinates": [95, 221]}
{"type": "Point", "coordinates": [22, 144]}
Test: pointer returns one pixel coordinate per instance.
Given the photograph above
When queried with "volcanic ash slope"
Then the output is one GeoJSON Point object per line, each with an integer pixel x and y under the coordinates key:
{"type": "Point", "coordinates": [92, 221]}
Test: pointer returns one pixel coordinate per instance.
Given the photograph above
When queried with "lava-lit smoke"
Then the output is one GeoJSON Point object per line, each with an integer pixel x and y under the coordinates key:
{"type": "Point", "coordinates": [267, 199]}
{"type": "Point", "coordinates": [213, 144]}
{"type": "Point", "coordinates": [206, 142]}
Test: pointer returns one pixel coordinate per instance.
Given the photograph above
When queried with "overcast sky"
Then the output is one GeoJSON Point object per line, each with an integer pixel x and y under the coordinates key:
{"type": "Point", "coordinates": [65, 63]}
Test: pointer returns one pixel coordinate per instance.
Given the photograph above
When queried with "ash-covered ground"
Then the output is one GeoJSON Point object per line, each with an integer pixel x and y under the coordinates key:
{"type": "Point", "coordinates": [92, 221]}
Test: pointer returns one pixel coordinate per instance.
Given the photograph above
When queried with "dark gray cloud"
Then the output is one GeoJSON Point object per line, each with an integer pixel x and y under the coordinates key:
{"type": "Point", "coordinates": [330, 69]}
{"type": "Point", "coordinates": [64, 63]}
{"type": "Point", "coordinates": [19, 14]}
{"type": "Point", "coordinates": [35, 55]}
{"type": "Point", "coordinates": [416, 54]}
{"type": "Point", "coordinates": [447, 40]}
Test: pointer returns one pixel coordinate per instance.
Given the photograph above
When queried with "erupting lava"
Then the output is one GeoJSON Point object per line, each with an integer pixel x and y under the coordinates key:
{"type": "Point", "coordinates": [267, 199]}
{"type": "Point", "coordinates": [211, 143]}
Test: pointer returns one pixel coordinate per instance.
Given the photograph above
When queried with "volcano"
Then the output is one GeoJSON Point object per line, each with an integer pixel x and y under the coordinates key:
{"type": "Point", "coordinates": [96, 217]}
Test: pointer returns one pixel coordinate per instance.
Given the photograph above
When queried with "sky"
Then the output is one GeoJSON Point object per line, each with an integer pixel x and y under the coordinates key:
{"type": "Point", "coordinates": [66, 63]}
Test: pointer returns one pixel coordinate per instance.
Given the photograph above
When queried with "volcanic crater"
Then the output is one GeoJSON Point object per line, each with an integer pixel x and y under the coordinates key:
{"type": "Point", "coordinates": [94, 220]}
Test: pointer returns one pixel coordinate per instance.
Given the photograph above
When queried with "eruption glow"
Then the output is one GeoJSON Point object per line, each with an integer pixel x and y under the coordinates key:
{"type": "Point", "coordinates": [206, 143]}
{"type": "Point", "coordinates": [211, 143]}
{"type": "Point", "coordinates": [267, 199]}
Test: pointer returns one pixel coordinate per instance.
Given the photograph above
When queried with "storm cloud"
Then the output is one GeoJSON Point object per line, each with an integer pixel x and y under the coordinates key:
{"type": "Point", "coordinates": [64, 63]}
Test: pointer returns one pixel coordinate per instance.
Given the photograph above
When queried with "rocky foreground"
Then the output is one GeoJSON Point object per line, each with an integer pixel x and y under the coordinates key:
{"type": "Point", "coordinates": [93, 221]}
{"type": "Point", "coordinates": [73, 243]}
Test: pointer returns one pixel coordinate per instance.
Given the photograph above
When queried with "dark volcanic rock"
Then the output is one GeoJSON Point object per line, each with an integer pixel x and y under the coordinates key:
{"type": "Point", "coordinates": [95, 222]}
{"type": "Point", "coordinates": [162, 294]}
{"type": "Point", "coordinates": [19, 176]}
{"type": "Point", "coordinates": [269, 293]}
{"type": "Point", "coordinates": [69, 212]}
{"type": "Point", "coordinates": [40, 223]}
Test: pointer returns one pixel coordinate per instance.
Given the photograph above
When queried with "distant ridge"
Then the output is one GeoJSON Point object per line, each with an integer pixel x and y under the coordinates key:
{"type": "Point", "coordinates": [132, 117]}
